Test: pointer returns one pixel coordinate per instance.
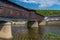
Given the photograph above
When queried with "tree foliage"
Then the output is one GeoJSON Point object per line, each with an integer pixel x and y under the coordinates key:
{"type": "Point", "coordinates": [47, 12]}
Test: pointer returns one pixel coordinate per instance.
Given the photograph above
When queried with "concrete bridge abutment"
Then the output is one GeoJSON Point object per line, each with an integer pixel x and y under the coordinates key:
{"type": "Point", "coordinates": [42, 23]}
{"type": "Point", "coordinates": [6, 32]}
{"type": "Point", "coordinates": [32, 24]}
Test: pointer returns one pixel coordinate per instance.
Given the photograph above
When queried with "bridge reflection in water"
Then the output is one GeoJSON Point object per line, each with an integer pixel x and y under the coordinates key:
{"type": "Point", "coordinates": [25, 33]}
{"type": "Point", "coordinates": [11, 10]}
{"type": "Point", "coordinates": [19, 30]}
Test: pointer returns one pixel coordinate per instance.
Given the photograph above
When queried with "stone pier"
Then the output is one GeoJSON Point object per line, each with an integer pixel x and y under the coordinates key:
{"type": "Point", "coordinates": [33, 24]}
{"type": "Point", "coordinates": [5, 32]}
{"type": "Point", "coordinates": [33, 27]}
{"type": "Point", "coordinates": [42, 23]}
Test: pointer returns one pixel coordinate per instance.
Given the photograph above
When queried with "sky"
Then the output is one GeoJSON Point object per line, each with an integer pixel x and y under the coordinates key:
{"type": "Point", "coordinates": [39, 4]}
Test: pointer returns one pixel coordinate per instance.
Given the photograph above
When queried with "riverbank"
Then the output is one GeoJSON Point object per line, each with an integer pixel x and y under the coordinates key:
{"type": "Point", "coordinates": [44, 22]}
{"type": "Point", "coordinates": [53, 23]}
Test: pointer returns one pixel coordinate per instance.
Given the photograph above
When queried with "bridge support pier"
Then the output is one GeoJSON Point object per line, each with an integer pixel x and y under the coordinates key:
{"type": "Point", "coordinates": [32, 24]}
{"type": "Point", "coordinates": [35, 24]}
{"type": "Point", "coordinates": [33, 27]}
{"type": "Point", "coordinates": [6, 31]}
{"type": "Point", "coordinates": [42, 23]}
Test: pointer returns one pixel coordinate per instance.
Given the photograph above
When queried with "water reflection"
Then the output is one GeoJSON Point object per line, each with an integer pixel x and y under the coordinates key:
{"type": "Point", "coordinates": [52, 29]}
{"type": "Point", "coordinates": [27, 34]}
{"type": "Point", "coordinates": [40, 32]}
{"type": "Point", "coordinates": [23, 33]}
{"type": "Point", "coordinates": [33, 33]}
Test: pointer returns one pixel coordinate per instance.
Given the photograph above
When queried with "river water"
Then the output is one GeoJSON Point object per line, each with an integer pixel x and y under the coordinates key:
{"type": "Point", "coordinates": [35, 33]}
{"type": "Point", "coordinates": [25, 33]}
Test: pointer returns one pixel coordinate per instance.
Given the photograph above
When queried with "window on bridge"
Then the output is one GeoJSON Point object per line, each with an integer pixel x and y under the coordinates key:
{"type": "Point", "coordinates": [21, 11]}
{"type": "Point", "coordinates": [1, 10]}
{"type": "Point", "coordinates": [1, 7]}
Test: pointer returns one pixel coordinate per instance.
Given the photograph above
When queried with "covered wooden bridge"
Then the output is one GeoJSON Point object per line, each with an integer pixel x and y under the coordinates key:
{"type": "Point", "coordinates": [13, 13]}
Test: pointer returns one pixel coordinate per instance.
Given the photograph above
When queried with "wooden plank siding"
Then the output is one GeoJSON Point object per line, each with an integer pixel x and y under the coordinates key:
{"type": "Point", "coordinates": [10, 11]}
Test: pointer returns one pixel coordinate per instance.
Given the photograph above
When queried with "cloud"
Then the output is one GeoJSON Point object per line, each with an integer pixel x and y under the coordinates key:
{"type": "Point", "coordinates": [47, 3]}
{"type": "Point", "coordinates": [28, 1]}
{"type": "Point", "coordinates": [43, 3]}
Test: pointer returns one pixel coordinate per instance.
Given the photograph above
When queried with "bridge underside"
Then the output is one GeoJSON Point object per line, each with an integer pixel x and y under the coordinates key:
{"type": "Point", "coordinates": [30, 23]}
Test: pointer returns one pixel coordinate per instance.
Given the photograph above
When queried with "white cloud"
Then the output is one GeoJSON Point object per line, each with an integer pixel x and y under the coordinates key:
{"type": "Point", "coordinates": [47, 3]}
{"type": "Point", "coordinates": [28, 1]}
{"type": "Point", "coordinates": [43, 3]}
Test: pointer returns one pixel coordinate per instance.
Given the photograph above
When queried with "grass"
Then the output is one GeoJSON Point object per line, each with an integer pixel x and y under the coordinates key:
{"type": "Point", "coordinates": [51, 36]}
{"type": "Point", "coordinates": [48, 12]}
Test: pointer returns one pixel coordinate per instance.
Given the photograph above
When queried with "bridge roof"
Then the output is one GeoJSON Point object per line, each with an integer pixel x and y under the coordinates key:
{"type": "Point", "coordinates": [13, 11]}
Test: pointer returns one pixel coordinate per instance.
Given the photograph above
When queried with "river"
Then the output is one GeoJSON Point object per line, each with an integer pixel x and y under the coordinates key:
{"type": "Point", "coordinates": [24, 33]}
{"type": "Point", "coordinates": [35, 33]}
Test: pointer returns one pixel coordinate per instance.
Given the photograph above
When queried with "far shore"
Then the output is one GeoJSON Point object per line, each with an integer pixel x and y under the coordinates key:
{"type": "Point", "coordinates": [44, 22]}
